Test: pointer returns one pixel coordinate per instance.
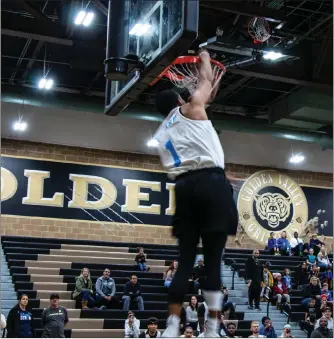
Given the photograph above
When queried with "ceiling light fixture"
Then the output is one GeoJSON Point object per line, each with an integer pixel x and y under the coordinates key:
{"type": "Point", "coordinates": [272, 55]}
{"type": "Point", "coordinates": [20, 126]}
{"type": "Point", "coordinates": [153, 143]}
{"type": "Point", "coordinates": [45, 83]}
{"type": "Point", "coordinates": [296, 158]}
{"type": "Point", "coordinates": [84, 18]}
{"type": "Point", "coordinates": [140, 29]}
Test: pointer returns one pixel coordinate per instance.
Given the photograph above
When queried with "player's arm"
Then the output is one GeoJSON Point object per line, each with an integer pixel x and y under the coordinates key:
{"type": "Point", "coordinates": [195, 109]}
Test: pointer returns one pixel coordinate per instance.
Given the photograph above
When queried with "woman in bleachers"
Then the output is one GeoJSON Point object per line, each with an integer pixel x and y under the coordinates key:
{"type": "Point", "coordinates": [272, 244]}
{"type": "Point", "coordinates": [141, 260]}
{"type": "Point", "coordinates": [302, 274]}
{"type": "Point", "coordinates": [283, 244]}
{"type": "Point", "coordinates": [131, 326]}
{"type": "Point", "coordinates": [20, 322]}
{"type": "Point", "coordinates": [84, 289]}
{"type": "Point", "coordinates": [169, 275]}
{"type": "Point", "coordinates": [322, 258]}
{"type": "Point", "coordinates": [280, 291]}
{"type": "Point", "coordinates": [192, 313]}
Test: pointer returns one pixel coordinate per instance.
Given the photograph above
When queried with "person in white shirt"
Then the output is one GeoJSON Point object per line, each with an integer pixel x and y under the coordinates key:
{"type": "Point", "coordinates": [132, 326]}
{"type": "Point", "coordinates": [297, 245]}
{"type": "Point", "coordinates": [188, 333]}
{"type": "Point", "coordinates": [255, 330]}
{"type": "Point", "coordinates": [192, 313]}
{"type": "Point", "coordinates": [327, 313]}
{"type": "Point", "coordinates": [191, 152]}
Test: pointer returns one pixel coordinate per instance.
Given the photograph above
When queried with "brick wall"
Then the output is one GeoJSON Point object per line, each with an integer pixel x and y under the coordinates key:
{"type": "Point", "coordinates": [39, 227]}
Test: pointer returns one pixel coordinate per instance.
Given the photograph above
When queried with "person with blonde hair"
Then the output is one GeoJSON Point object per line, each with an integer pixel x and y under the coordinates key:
{"type": "Point", "coordinates": [84, 289]}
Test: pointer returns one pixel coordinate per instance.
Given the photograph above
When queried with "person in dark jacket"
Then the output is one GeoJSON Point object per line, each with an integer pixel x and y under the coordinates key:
{"type": "Point", "coordinates": [141, 260]}
{"type": "Point", "coordinates": [322, 331]}
{"type": "Point", "coordinates": [312, 290]}
{"type": "Point", "coordinates": [132, 292]}
{"type": "Point", "coordinates": [84, 289]}
{"type": "Point", "coordinates": [254, 275]}
{"type": "Point", "coordinates": [20, 320]}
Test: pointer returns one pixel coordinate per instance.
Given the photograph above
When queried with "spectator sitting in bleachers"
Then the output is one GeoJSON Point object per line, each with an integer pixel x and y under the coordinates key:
{"type": "Point", "coordinates": [20, 320]}
{"type": "Point", "coordinates": [267, 328]}
{"type": "Point", "coordinates": [280, 290]}
{"type": "Point", "coordinates": [311, 258]}
{"type": "Point", "coordinates": [283, 244]}
{"type": "Point", "coordinates": [105, 292]}
{"type": "Point", "coordinates": [132, 292]}
{"type": "Point", "coordinates": [314, 270]}
{"type": "Point", "coordinates": [222, 327]}
{"type": "Point", "coordinates": [141, 260]}
{"type": "Point", "coordinates": [83, 292]}
{"type": "Point", "coordinates": [192, 313]}
{"type": "Point", "coordinates": [323, 302]}
{"type": "Point", "coordinates": [199, 275]}
{"type": "Point", "coordinates": [322, 258]}
{"type": "Point", "coordinates": [272, 244]}
{"type": "Point", "coordinates": [228, 308]}
{"type": "Point", "coordinates": [255, 330]}
{"type": "Point", "coordinates": [287, 280]}
{"type": "Point", "coordinates": [286, 332]}
{"type": "Point", "coordinates": [230, 331]}
{"type": "Point", "coordinates": [152, 329]}
{"type": "Point", "coordinates": [169, 275]}
{"type": "Point", "coordinates": [131, 326]}
{"type": "Point", "coordinates": [312, 290]}
{"type": "Point", "coordinates": [311, 312]}
{"type": "Point", "coordinates": [302, 275]}
{"type": "Point", "coordinates": [316, 244]}
{"type": "Point", "coordinates": [322, 331]}
{"type": "Point", "coordinates": [298, 247]}
{"type": "Point", "coordinates": [327, 277]}
{"type": "Point", "coordinates": [188, 333]}
{"type": "Point", "coordinates": [268, 281]}
{"type": "Point", "coordinates": [327, 313]}
{"type": "Point", "coordinates": [326, 291]}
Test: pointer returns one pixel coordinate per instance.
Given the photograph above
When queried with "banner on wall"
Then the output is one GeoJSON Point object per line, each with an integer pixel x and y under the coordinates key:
{"type": "Point", "coordinates": [267, 200]}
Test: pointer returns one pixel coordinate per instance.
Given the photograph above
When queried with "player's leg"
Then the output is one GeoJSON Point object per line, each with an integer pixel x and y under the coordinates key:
{"type": "Point", "coordinates": [187, 253]}
{"type": "Point", "coordinates": [213, 245]}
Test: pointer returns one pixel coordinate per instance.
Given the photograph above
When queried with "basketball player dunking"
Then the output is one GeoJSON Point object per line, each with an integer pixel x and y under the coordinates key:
{"type": "Point", "coordinates": [191, 152]}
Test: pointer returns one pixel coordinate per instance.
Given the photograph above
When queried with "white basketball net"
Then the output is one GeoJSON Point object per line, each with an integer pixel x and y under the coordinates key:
{"type": "Point", "coordinates": [259, 29]}
{"type": "Point", "coordinates": [186, 76]}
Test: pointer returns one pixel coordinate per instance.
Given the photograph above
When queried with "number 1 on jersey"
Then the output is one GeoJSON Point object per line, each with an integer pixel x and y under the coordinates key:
{"type": "Point", "coordinates": [170, 147]}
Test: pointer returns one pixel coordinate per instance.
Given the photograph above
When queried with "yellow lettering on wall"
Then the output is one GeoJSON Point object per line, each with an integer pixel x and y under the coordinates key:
{"type": "Point", "coordinates": [82, 199]}
{"type": "Point", "coordinates": [171, 205]}
{"type": "Point", "coordinates": [133, 196]}
{"type": "Point", "coordinates": [8, 184]}
{"type": "Point", "coordinates": [35, 190]}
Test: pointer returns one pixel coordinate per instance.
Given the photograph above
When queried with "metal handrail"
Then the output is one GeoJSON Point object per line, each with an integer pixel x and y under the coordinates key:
{"type": "Point", "coordinates": [231, 262]}
{"type": "Point", "coordinates": [268, 300]}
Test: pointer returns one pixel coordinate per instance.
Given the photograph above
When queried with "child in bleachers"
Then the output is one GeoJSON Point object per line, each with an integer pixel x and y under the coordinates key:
{"type": "Point", "coordinates": [327, 292]}
{"type": "Point", "coordinates": [268, 281]}
{"type": "Point", "coordinates": [314, 271]}
{"type": "Point", "coordinates": [272, 244]}
{"type": "Point", "coordinates": [280, 290]}
{"type": "Point", "coordinates": [141, 260]}
{"type": "Point", "coordinates": [286, 278]}
{"type": "Point", "coordinates": [311, 258]}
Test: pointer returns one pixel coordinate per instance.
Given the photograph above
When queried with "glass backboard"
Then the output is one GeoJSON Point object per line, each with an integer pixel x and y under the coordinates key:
{"type": "Point", "coordinates": [157, 32]}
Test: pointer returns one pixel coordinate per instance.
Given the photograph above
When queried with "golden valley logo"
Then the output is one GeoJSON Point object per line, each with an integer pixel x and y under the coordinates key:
{"type": "Point", "coordinates": [271, 202]}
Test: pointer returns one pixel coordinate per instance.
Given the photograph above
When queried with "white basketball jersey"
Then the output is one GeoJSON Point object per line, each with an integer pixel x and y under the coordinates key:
{"type": "Point", "coordinates": [186, 145]}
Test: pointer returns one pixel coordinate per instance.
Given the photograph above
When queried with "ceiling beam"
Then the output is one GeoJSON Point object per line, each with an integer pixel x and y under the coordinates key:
{"type": "Point", "coordinates": [244, 9]}
{"type": "Point", "coordinates": [271, 77]}
{"type": "Point", "coordinates": [99, 5]}
{"type": "Point", "coordinates": [31, 62]}
{"type": "Point", "coordinates": [40, 37]}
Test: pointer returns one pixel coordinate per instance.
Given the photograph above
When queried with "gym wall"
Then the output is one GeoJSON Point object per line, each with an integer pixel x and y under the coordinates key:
{"type": "Point", "coordinates": [39, 225]}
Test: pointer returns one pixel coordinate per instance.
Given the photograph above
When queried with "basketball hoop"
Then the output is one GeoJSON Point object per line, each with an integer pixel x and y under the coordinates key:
{"type": "Point", "coordinates": [183, 72]}
{"type": "Point", "coordinates": [259, 30]}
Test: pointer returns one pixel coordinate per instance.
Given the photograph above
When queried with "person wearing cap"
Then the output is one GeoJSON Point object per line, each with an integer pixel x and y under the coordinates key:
{"type": "Point", "coordinates": [327, 313]}
{"type": "Point", "coordinates": [152, 329]}
{"type": "Point", "coordinates": [54, 319]}
{"type": "Point", "coordinates": [131, 326]}
{"type": "Point", "coordinates": [322, 331]}
{"type": "Point", "coordinates": [286, 332]}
